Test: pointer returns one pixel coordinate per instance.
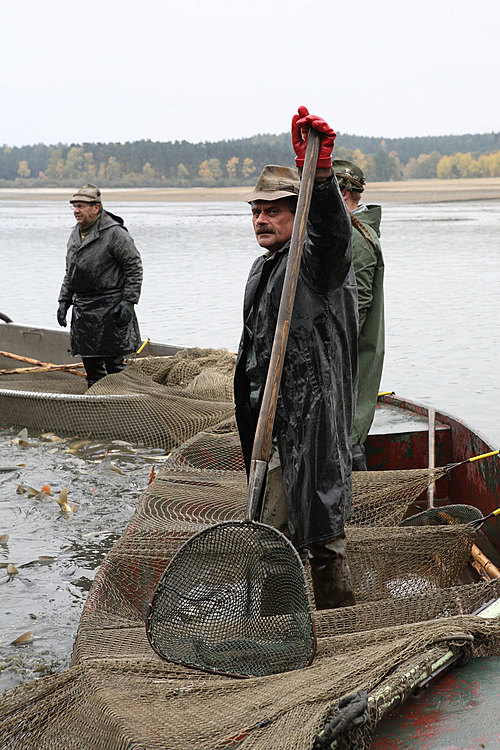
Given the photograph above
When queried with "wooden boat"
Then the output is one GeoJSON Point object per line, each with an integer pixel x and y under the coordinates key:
{"type": "Point", "coordinates": [400, 438]}
{"type": "Point", "coordinates": [58, 401]}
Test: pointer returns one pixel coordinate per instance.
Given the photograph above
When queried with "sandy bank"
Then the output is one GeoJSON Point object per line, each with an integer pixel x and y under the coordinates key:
{"type": "Point", "coordinates": [413, 191]}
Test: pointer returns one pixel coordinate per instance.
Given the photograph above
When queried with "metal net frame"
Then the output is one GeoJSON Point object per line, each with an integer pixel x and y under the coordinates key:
{"type": "Point", "coordinates": [234, 600]}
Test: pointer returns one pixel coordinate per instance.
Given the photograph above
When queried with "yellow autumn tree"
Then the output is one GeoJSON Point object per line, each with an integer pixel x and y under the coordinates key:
{"type": "Point", "coordinates": [75, 163]}
{"type": "Point", "coordinates": [22, 169]}
{"type": "Point", "coordinates": [444, 168]}
{"type": "Point", "coordinates": [494, 164]}
{"type": "Point", "coordinates": [422, 167]}
{"type": "Point", "coordinates": [210, 171]}
{"type": "Point", "coordinates": [248, 168]}
{"type": "Point", "coordinates": [232, 166]}
{"type": "Point", "coordinates": [55, 166]}
{"type": "Point", "coordinates": [465, 165]}
{"type": "Point", "coordinates": [148, 173]}
{"type": "Point", "coordinates": [113, 168]}
{"type": "Point", "coordinates": [364, 162]}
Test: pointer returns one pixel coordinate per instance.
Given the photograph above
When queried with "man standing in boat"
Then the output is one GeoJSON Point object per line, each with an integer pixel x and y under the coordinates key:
{"type": "Point", "coordinates": [103, 283]}
{"type": "Point", "coordinates": [369, 269]}
{"type": "Point", "coordinates": [308, 492]}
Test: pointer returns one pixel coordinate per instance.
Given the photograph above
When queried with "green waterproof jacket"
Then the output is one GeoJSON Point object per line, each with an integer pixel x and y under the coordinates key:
{"type": "Point", "coordinates": [369, 269]}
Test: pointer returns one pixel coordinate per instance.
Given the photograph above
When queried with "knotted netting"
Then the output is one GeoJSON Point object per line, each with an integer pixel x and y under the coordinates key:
{"type": "Point", "coordinates": [412, 606]}
{"type": "Point", "coordinates": [156, 401]}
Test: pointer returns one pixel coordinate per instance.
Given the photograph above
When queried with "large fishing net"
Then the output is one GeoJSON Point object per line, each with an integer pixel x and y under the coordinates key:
{"type": "Point", "coordinates": [157, 401]}
{"type": "Point", "coordinates": [413, 610]}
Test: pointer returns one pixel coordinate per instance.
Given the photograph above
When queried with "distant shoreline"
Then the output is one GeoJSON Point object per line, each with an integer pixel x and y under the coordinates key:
{"type": "Point", "coordinates": [410, 191]}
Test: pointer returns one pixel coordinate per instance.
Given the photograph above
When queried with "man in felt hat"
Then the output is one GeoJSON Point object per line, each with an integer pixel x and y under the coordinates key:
{"type": "Point", "coordinates": [369, 269]}
{"type": "Point", "coordinates": [103, 283]}
{"type": "Point", "coordinates": [308, 491]}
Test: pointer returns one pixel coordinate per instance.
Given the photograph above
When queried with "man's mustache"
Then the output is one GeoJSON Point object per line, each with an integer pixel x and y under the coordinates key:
{"type": "Point", "coordinates": [265, 230]}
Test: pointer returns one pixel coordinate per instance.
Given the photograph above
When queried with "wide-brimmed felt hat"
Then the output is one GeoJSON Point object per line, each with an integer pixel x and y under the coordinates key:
{"type": "Point", "coordinates": [349, 175]}
{"type": "Point", "coordinates": [87, 194]}
{"type": "Point", "coordinates": [274, 183]}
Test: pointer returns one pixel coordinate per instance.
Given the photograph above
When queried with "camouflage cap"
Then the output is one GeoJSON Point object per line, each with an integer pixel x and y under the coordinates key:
{"type": "Point", "coordinates": [349, 175]}
{"type": "Point", "coordinates": [274, 183]}
{"type": "Point", "coordinates": [87, 194]}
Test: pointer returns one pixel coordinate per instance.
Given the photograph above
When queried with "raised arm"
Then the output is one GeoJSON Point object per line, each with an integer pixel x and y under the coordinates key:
{"type": "Point", "coordinates": [327, 252]}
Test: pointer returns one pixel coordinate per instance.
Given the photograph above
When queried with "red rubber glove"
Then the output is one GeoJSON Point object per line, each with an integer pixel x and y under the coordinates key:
{"type": "Point", "coordinates": [300, 129]}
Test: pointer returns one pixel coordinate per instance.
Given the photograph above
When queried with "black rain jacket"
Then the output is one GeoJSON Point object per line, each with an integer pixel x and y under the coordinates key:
{"type": "Point", "coordinates": [317, 396]}
{"type": "Point", "coordinates": [100, 271]}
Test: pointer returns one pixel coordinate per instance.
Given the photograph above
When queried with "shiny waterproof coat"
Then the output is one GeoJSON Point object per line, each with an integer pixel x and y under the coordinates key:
{"type": "Point", "coordinates": [100, 271]}
{"type": "Point", "coordinates": [369, 269]}
{"type": "Point", "coordinates": [315, 406]}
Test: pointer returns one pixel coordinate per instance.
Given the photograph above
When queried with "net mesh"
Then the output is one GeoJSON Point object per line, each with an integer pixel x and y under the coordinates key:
{"type": "Point", "coordinates": [447, 514]}
{"type": "Point", "coordinates": [157, 401]}
{"type": "Point", "coordinates": [118, 693]}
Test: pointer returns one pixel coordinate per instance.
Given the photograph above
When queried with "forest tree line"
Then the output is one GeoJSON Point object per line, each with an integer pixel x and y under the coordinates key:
{"type": "Point", "coordinates": [238, 162]}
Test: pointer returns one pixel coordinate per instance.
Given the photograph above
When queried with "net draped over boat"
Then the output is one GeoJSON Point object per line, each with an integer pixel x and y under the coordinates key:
{"type": "Point", "coordinates": [118, 693]}
{"type": "Point", "coordinates": [157, 401]}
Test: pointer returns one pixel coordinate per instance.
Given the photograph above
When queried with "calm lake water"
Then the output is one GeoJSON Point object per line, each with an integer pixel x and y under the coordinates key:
{"type": "Point", "coordinates": [442, 348]}
{"type": "Point", "coordinates": [442, 287]}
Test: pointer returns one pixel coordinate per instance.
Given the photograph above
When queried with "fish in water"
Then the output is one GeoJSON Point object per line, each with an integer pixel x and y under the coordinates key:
{"type": "Point", "coordinates": [152, 476]}
{"type": "Point", "coordinates": [23, 639]}
{"type": "Point", "coordinates": [21, 439]}
{"type": "Point", "coordinates": [75, 446]}
{"type": "Point", "coordinates": [107, 464]}
{"type": "Point", "coordinates": [21, 489]}
{"type": "Point", "coordinates": [23, 435]}
{"type": "Point", "coordinates": [41, 560]}
{"type": "Point", "coordinates": [46, 491]}
{"type": "Point", "coordinates": [7, 477]}
{"type": "Point", "coordinates": [32, 492]}
{"type": "Point", "coordinates": [62, 501]}
{"type": "Point", "coordinates": [50, 437]}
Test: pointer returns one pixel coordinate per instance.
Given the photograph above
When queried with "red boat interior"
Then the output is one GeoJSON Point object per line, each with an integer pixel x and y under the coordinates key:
{"type": "Point", "coordinates": [399, 439]}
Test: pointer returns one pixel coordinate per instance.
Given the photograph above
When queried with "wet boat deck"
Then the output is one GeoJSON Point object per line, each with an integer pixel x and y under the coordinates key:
{"type": "Point", "coordinates": [458, 712]}
{"type": "Point", "coordinates": [393, 420]}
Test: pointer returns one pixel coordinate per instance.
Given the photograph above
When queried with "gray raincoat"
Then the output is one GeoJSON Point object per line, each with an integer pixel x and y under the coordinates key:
{"type": "Point", "coordinates": [316, 401]}
{"type": "Point", "coordinates": [100, 271]}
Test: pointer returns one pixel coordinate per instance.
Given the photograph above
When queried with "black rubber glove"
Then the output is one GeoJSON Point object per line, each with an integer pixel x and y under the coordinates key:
{"type": "Point", "coordinates": [123, 313]}
{"type": "Point", "coordinates": [61, 313]}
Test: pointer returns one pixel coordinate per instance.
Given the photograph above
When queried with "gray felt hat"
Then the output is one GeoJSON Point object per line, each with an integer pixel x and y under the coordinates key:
{"type": "Point", "coordinates": [87, 194]}
{"type": "Point", "coordinates": [274, 183]}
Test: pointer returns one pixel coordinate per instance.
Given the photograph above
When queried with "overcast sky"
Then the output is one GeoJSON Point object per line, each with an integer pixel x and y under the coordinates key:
{"type": "Point", "coordinates": [207, 70]}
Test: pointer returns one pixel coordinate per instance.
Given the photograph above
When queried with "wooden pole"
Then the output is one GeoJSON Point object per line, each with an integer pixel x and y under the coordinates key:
{"type": "Point", "coordinates": [264, 431]}
{"type": "Point", "coordinates": [39, 366]}
{"type": "Point", "coordinates": [49, 368]}
{"type": "Point", "coordinates": [484, 562]}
